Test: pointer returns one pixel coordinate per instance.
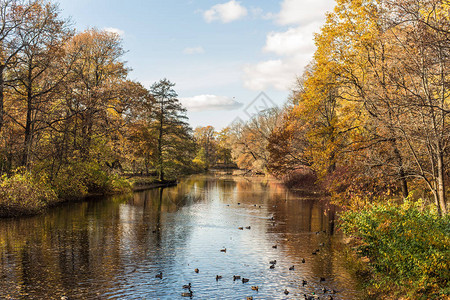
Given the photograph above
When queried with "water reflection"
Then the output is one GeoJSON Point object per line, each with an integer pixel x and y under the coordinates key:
{"type": "Point", "coordinates": [113, 248]}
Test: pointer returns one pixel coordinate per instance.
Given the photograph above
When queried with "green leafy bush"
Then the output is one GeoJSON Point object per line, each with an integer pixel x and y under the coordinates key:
{"type": "Point", "coordinates": [408, 247]}
{"type": "Point", "coordinates": [24, 194]}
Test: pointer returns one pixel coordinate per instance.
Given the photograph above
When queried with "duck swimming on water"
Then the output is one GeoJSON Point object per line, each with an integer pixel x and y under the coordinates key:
{"type": "Point", "coordinates": [187, 286]}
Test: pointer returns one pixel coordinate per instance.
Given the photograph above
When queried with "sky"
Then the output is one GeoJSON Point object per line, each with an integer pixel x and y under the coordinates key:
{"type": "Point", "coordinates": [228, 58]}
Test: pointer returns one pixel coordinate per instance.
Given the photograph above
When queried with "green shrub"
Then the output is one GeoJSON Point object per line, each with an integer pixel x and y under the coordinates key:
{"type": "Point", "coordinates": [69, 184]}
{"type": "Point", "coordinates": [408, 247]}
{"type": "Point", "coordinates": [118, 184]}
{"type": "Point", "coordinates": [24, 194]}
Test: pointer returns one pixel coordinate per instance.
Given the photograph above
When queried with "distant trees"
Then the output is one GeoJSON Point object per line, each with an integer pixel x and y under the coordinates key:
{"type": "Point", "coordinates": [213, 148]}
{"type": "Point", "coordinates": [206, 141]}
{"type": "Point", "coordinates": [250, 139]}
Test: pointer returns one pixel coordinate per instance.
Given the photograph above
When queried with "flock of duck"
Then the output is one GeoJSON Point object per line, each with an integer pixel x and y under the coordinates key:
{"type": "Point", "coordinates": [272, 264]}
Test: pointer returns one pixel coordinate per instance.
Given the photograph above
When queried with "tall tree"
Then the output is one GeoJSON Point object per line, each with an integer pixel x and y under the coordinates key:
{"type": "Point", "coordinates": [14, 36]}
{"type": "Point", "coordinates": [39, 70]}
{"type": "Point", "coordinates": [173, 134]}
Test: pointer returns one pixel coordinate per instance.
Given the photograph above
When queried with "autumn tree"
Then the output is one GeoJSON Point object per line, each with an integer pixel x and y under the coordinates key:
{"type": "Point", "coordinates": [374, 101]}
{"type": "Point", "coordinates": [14, 36]}
{"type": "Point", "coordinates": [38, 72]}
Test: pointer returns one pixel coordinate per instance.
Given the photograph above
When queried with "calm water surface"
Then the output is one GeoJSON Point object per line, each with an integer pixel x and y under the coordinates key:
{"type": "Point", "coordinates": [112, 248]}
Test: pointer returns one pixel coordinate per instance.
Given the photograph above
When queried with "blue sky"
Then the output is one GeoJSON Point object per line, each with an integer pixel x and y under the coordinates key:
{"type": "Point", "coordinates": [220, 54]}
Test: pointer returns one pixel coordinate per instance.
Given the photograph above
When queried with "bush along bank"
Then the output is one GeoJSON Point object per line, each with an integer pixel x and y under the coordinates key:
{"type": "Point", "coordinates": [27, 193]}
{"type": "Point", "coordinates": [407, 246]}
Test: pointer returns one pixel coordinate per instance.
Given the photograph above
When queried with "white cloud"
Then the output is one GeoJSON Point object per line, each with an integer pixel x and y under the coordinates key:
{"type": "Point", "coordinates": [194, 50]}
{"type": "Point", "coordinates": [303, 11]}
{"type": "Point", "coordinates": [294, 46]}
{"type": "Point", "coordinates": [278, 73]}
{"type": "Point", "coordinates": [292, 41]}
{"type": "Point", "coordinates": [114, 30]}
{"type": "Point", "coordinates": [209, 102]}
{"type": "Point", "coordinates": [258, 13]}
{"type": "Point", "coordinates": [226, 12]}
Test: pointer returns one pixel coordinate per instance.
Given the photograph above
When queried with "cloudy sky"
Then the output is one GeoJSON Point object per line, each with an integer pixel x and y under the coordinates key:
{"type": "Point", "coordinates": [220, 54]}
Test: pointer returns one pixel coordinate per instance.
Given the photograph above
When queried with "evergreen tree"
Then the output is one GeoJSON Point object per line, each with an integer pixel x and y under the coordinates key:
{"type": "Point", "coordinates": [173, 134]}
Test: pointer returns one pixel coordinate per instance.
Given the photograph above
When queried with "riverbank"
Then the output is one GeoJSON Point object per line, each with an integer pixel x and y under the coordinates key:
{"type": "Point", "coordinates": [141, 183]}
{"type": "Point", "coordinates": [26, 194]}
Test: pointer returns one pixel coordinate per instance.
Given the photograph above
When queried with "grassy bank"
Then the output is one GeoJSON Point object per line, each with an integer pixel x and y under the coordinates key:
{"type": "Point", "coordinates": [407, 248]}
{"type": "Point", "coordinates": [25, 193]}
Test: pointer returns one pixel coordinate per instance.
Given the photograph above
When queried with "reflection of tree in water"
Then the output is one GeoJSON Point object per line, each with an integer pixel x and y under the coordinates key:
{"type": "Point", "coordinates": [51, 254]}
{"type": "Point", "coordinates": [95, 246]}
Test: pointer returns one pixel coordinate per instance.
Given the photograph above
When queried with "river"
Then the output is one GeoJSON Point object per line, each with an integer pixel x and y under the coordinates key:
{"type": "Point", "coordinates": [113, 247]}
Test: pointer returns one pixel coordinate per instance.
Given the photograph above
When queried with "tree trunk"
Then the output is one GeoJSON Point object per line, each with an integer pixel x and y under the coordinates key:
{"type": "Point", "coordinates": [160, 158]}
{"type": "Point", "coordinates": [401, 172]}
{"type": "Point", "coordinates": [441, 185]}
{"type": "Point", "coordinates": [28, 131]}
{"type": "Point", "coordinates": [2, 83]}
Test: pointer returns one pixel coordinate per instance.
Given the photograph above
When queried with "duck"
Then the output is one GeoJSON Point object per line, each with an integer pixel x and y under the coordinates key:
{"type": "Point", "coordinates": [274, 246]}
{"type": "Point", "coordinates": [244, 280]}
{"type": "Point", "coordinates": [273, 262]}
{"type": "Point", "coordinates": [241, 228]}
{"type": "Point", "coordinates": [250, 298]}
{"type": "Point", "coordinates": [322, 278]}
{"type": "Point", "coordinates": [286, 292]}
{"type": "Point", "coordinates": [314, 253]}
{"type": "Point", "coordinates": [239, 203]}
{"type": "Point", "coordinates": [272, 267]}
{"type": "Point", "coordinates": [159, 275]}
{"type": "Point", "coordinates": [291, 268]}
{"type": "Point", "coordinates": [324, 290]}
{"type": "Point", "coordinates": [187, 286]}
{"type": "Point", "coordinates": [303, 260]}
{"type": "Point", "coordinates": [304, 282]}
{"type": "Point", "coordinates": [218, 277]}
{"type": "Point", "coordinates": [196, 270]}
{"type": "Point", "coordinates": [187, 294]}
{"type": "Point", "coordinates": [223, 250]}
{"type": "Point", "coordinates": [248, 227]}
{"type": "Point", "coordinates": [255, 288]}
{"type": "Point", "coordinates": [235, 277]}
